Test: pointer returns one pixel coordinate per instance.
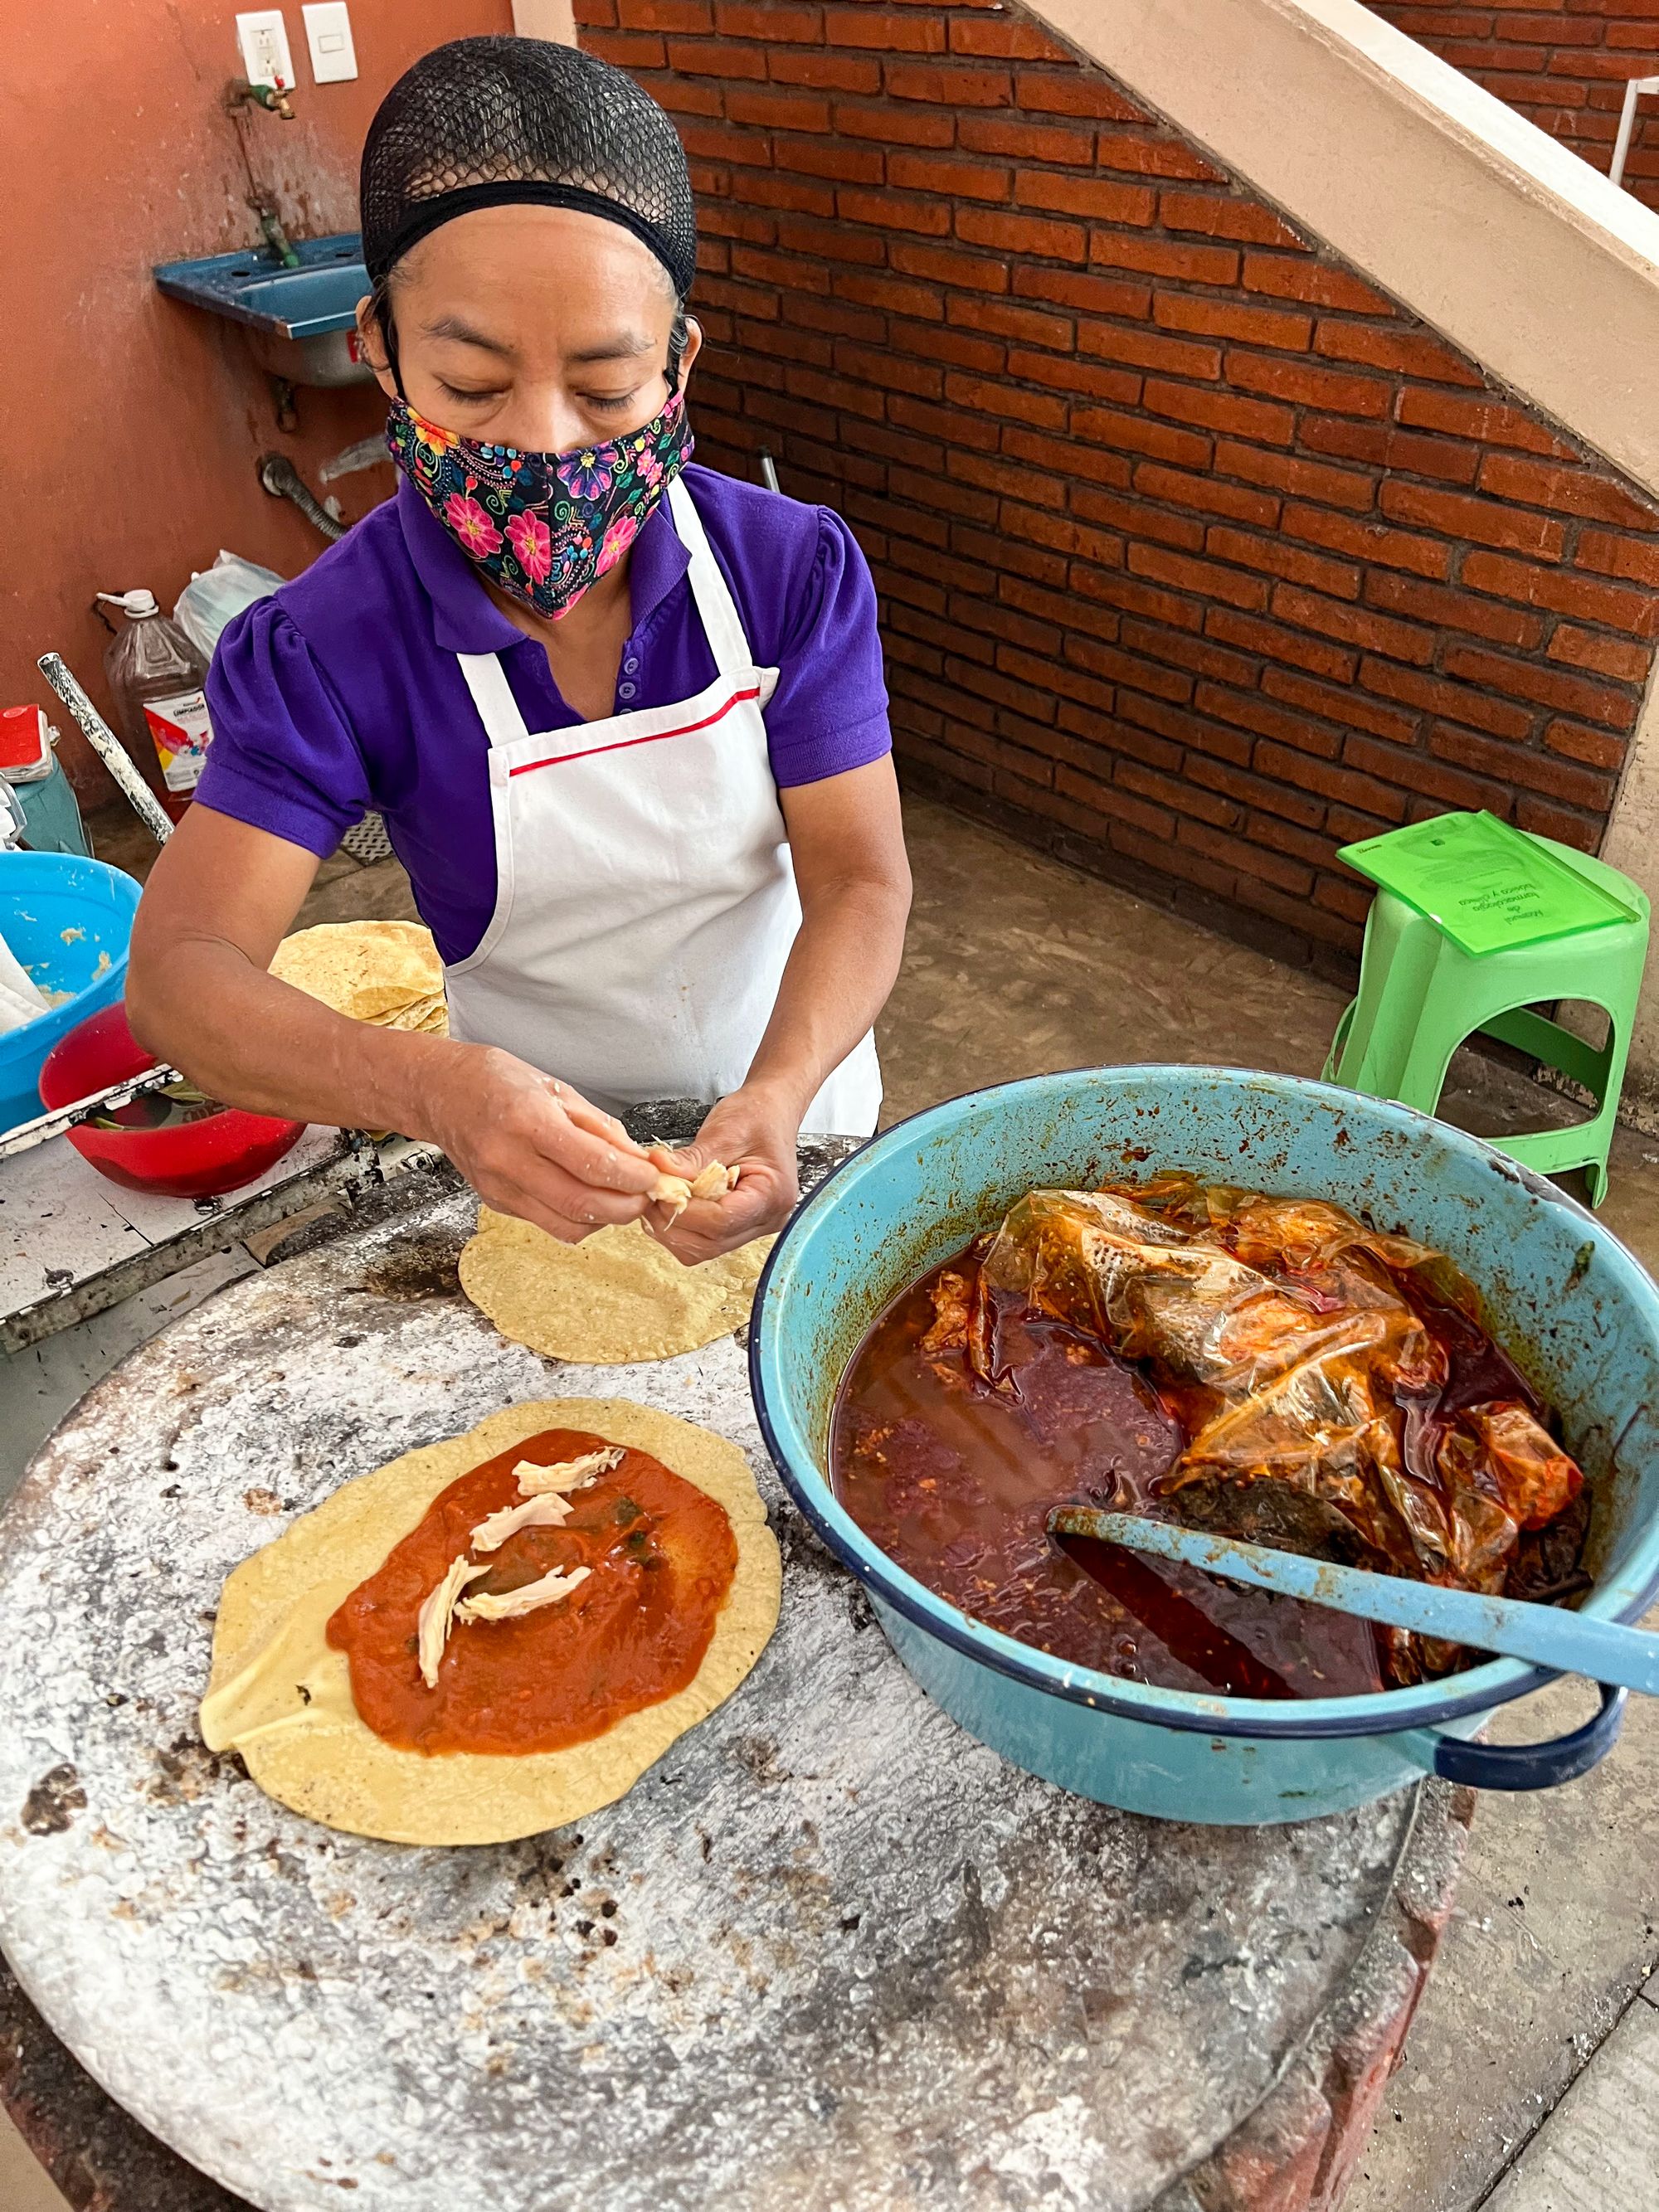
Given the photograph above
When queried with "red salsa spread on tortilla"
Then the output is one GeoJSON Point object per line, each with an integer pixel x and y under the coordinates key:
{"type": "Point", "coordinates": [660, 1555]}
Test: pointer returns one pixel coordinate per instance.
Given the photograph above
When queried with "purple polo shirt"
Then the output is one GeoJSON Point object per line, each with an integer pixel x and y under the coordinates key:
{"type": "Point", "coordinates": [341, 695]}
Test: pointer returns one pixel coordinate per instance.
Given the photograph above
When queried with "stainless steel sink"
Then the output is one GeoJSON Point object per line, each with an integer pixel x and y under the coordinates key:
{"type": "Point", "coordinates": [301, 322]}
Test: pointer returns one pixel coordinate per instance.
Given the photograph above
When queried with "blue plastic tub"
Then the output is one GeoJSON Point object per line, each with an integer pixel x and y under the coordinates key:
{"type": "Point", "coordinates": [1571, 1305]}
{"type": "Point", "coordinates": [69, 921]}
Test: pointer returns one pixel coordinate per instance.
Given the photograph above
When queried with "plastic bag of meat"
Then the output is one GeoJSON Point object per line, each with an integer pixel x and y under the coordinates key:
{"type": "Point", "coordinates": [1296, 1345]}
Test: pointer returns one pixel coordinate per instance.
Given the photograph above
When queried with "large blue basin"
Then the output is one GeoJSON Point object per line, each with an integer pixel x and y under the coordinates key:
{"type": "Point", "coordinates": [1577, 1311]}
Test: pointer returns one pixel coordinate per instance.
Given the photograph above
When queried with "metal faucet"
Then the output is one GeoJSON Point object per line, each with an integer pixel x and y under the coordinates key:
{"type": "Point", "coordinates": [274, 98]}
{"type": "Point", "coordinates": [275, 237]}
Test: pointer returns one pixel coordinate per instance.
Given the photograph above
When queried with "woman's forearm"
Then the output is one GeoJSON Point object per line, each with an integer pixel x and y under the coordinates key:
{"type": "Point", "coordinates": [218, 901]}
{"type": "Point", "coordinates": [839, 971]}
{"type": "Point", "coordinates": [249, 1041]}
{"type": "Point", "coordinates": [528, 1144]}
{"type": "Point", "coordinates": [216, 907]}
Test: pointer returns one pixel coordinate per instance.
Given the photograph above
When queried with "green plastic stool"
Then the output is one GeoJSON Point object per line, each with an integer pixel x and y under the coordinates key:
{"type": "Point", "coordinates": [1473, 924]}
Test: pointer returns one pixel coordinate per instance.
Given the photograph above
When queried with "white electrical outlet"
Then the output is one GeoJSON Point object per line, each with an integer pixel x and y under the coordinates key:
{"type": "Point", "coordinates": [328, 34]}
{"type": "Point", "coordinates": [263, 37]}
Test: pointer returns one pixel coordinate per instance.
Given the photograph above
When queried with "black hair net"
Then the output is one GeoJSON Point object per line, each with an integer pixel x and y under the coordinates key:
{"type": "Point", "coordinates": [481, 122]}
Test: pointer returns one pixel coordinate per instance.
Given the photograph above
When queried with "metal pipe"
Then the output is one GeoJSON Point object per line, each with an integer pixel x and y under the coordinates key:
{"type": "Point", "coordinates": [271, 225]}
{"type": "Point", "coordinates": [63, 1119]}
{"type": "Point", "coordinates": [107, 746]}
{"type": "Point", "coordinates": [284, 481]}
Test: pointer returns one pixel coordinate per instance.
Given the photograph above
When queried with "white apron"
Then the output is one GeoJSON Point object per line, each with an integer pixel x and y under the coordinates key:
{"type": "Point", "coordinates": [645, 896]}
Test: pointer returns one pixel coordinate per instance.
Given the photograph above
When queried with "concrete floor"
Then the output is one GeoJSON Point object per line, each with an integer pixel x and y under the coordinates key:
{"type": "Point", "coordinates": [1016, 965]}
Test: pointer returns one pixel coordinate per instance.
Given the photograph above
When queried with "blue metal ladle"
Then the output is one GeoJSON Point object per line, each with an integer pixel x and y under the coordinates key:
{"type": "Point", "coordinates": [1544, 1634]}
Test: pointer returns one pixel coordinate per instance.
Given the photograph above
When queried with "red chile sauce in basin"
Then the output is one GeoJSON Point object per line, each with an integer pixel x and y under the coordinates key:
{"type": "Point", "coordinates": [954, 1481]}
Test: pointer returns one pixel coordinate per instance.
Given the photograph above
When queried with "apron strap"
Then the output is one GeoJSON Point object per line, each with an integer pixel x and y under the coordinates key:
{"type": "Point", "coordinates": [492, 695]}
{"type": "Point", "coordinates": [722, 624]}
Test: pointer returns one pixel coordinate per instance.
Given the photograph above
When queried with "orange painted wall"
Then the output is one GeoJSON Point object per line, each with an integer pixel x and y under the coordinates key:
{"type": "Point", "coordinates": [132, 423]}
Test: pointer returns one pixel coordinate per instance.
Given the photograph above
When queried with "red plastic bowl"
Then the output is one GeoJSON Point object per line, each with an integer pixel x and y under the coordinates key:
{"type": "Point", "coordinates": [197, 1160]}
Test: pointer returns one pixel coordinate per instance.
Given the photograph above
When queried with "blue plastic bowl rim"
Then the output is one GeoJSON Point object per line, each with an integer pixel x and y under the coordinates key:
{"type": "Point", "coordinates": [58, 871]}
{"type": "Point", "coordinates": [1382, 1712]}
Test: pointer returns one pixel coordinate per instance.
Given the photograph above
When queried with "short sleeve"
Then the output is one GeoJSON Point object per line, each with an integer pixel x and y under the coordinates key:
{"type": "Point", "coordinates": [829, 712]}
{"type": "Point", "coordinates": [282, 757]}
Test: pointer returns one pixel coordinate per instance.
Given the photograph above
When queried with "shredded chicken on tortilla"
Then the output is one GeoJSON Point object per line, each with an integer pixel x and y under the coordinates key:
{"type": "Point", "coordinates": [432, 1623]}
{"type": "Point", "coordinates": [535, 1481]}
{"type": "Point", "coordinates": [546, 1510]}
{"type": "Point", "coordinates": [529, 1597]}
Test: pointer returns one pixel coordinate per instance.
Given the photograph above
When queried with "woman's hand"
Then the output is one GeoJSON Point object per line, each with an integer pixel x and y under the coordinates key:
{"type": "Point", "coordinates": [855, 882]}
{"type": "Point", "coordinates": [753, 1130]}
{"type": "Point", "coordinates": [529, 1145]}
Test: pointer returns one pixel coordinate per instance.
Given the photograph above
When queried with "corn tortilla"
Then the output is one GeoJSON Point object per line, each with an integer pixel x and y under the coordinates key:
{"type": "Point", "coordinates": [616, 1297]}
{"type": "Point", "coordinates": [386, 972]}
{"type": "Point", "coordinates": [280, 1695]}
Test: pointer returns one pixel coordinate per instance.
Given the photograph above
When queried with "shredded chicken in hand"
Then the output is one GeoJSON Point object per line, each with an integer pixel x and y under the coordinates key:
{"type": "Point", "coordinates": [676, 1191]}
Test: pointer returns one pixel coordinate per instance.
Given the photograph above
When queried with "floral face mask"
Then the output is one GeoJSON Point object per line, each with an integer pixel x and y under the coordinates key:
{"type": "Point", "coordinates": [543, 526]}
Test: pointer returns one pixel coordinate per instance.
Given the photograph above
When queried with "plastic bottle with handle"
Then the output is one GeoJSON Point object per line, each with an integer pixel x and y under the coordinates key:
{"type": "Point", "coordinates": [156, 676]}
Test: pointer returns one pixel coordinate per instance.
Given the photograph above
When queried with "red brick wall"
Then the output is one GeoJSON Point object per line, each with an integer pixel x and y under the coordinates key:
{"type": "Point", "coordinates": [1562, 64]}
{"type": "Point", "coordinates": [1198, 557]}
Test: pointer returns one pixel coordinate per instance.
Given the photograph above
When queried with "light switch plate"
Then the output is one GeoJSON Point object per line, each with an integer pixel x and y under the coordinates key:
{"type": "Point", "coordinates": [328, 34]}
{"type": "Point", "coordinates": [262, 36]}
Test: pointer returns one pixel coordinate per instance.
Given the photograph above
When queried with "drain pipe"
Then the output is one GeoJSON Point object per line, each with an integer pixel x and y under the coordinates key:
{"type": "Point", "coordinates": [284, 481]}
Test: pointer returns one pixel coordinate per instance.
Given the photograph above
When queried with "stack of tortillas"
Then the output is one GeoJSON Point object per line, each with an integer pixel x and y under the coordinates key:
{"type": "Point", "coordinates": [616, 1297]}
{"type": "Point", "coordinates": [385, 972]}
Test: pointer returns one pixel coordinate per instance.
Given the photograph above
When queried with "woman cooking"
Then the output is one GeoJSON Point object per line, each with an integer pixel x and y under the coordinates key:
{"type": "Point", "coordinates": [623, 717]}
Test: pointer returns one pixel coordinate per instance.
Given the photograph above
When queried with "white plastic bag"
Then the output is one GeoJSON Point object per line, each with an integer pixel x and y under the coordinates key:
{"type": "Point", "coordinates": [21, 999]}
{"type": "Point", "coordinates": [214, 595]}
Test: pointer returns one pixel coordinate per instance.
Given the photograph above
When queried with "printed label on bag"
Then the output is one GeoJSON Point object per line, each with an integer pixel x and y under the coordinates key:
{"type": "Point", "coordinates": [182, 732]}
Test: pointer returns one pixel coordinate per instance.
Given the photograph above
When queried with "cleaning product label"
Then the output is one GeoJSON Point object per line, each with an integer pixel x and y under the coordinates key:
{"type": "Point", "coordinates": [181, 730]}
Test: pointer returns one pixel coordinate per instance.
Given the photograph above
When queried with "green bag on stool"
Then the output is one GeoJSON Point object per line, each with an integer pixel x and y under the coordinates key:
{"type": "Point", "coordinates": [1473, 924]}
